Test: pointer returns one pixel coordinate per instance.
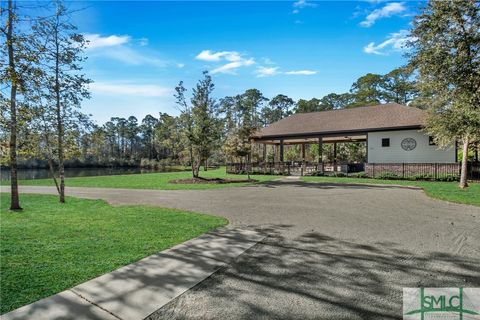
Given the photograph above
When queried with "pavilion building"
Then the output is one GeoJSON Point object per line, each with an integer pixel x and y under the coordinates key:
{"type": "Point", "coordinates": [391, 133]}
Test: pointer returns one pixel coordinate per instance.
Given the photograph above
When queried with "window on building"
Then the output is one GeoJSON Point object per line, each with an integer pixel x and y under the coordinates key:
{"type": "Point", "coordinates": [431, 142]}
{"type": "Point", "coordinates": [386, 142]}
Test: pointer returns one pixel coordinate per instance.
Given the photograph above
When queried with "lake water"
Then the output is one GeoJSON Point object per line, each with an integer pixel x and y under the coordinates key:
{"type": "Point", "coordinates": [31, 174]}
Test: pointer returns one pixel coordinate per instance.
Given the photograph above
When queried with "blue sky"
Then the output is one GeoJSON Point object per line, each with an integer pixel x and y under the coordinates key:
{"type": "Point", "coordinates": [139, 51]}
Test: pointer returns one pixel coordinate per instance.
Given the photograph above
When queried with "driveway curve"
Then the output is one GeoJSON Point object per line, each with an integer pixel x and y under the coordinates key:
{"type": "Point", "coordinates": [334, 250]}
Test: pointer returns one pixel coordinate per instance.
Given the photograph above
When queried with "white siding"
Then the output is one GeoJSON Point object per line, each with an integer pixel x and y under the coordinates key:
{"type": "Point", "coordinates": [423, 153]}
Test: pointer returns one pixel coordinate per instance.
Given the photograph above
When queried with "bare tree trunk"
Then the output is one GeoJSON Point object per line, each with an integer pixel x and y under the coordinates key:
{"type": "Point", "coordinates": [14, 197]}
{"type": "Point", "coordinates": [50, 161]}
{"type": "Point", "coordinates": [192, 163]}
{"type": "Point", "coordinates": [150, 151]}
{"type": "Point", "coordinates": [196, 168]}
{"type": "Point", "coordinates": [52, 172]}
{"type": "Point", "coordinates": [463, 173]}
{"type": "Point", "coordinates": [48, 147]}
{"type": "Point", "coordinates": [61, 168]}
{"type": "Point", "coordinates": [205, 164]}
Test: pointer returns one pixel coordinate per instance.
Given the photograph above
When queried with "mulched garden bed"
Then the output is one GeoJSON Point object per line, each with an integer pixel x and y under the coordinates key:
{"type": "Point", "coordinates": [210, 180]}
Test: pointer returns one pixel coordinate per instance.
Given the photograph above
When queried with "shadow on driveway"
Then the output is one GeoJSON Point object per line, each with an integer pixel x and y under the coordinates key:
{"type": "Point", "coordinates": [332, 185]}
{"type": "Point", "coordinates": [319, 277]}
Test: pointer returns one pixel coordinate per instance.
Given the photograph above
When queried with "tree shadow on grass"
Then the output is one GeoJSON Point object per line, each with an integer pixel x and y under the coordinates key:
{"type": "Point", "coordinates": [319, 277]}
{"type": "Point", "coordinates": [138, 289]}
{"type": "Point", "coordinates": [314, 276]}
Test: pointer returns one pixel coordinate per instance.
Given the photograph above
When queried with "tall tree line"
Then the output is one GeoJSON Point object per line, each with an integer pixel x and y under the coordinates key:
{"type": "Point", "coordinates": [398, 85]}
{"type": "Point", "coordinates": [41, 68]}
{"type": "Point", "coordinates": [206, 130]}
{"type": "Point", "coordinates": [216, 129]}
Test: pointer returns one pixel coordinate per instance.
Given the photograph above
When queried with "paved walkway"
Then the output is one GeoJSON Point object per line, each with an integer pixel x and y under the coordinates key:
{"type": "Point", "coordinates": [137, 290]}
{"type": "Point", "coordinates": [333, 251]}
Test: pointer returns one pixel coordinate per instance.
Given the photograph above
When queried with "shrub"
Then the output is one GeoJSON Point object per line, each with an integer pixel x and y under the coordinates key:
{"type": "Point", "coordinates": [422, 176]}
{"type": "Point", "coordinates": [449, 178]}
{"type": "Point", "coordinates": [431, 177]}
{"type": "Point", "coordinates": [362, 175]}
{"type": "Point", "coordinates": [388, 176]}
{"type": "Point", "coordinates": [147, 163]}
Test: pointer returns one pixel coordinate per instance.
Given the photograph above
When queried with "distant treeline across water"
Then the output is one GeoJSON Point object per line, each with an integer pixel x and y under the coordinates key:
{"type": "Point", "coordinates": [43, 173]}
{"type": "Point", "coordinates": [75, 163]}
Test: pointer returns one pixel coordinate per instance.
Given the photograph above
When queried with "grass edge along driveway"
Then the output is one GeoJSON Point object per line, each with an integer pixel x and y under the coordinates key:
{"type": "Point", "coordinates": [159, 181]}
{"type": "Point", "coordinates": [50, 247]}
{"type": "Point", "coordinates": [448, 191]}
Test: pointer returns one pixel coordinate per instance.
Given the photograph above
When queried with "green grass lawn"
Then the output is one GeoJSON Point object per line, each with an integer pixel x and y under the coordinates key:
{"type": "Point", "coordinates": [50, 247]}
{"type": "Point", "coordinates": [150, 180]}
{"type": "Point", "coordinates": [448, 191]}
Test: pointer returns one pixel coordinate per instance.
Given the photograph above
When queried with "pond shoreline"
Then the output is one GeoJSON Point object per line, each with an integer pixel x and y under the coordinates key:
{"type": "Point", "coordinates": [70, 172]}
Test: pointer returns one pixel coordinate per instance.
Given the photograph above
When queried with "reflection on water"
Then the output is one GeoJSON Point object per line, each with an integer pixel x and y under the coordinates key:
{"type": "Point", "coordinates": [31, 174]}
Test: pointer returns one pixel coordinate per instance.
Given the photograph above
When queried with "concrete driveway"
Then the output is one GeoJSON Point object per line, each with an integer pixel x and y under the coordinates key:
{"type": "Point", "coordinates": [333, 251]}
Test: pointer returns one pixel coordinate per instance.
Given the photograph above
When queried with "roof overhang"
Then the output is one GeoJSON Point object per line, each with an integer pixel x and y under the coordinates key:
{"type": "Point", "coordinates": [325, 134]}
{"type": "Point", "coordinates": [350, 138]}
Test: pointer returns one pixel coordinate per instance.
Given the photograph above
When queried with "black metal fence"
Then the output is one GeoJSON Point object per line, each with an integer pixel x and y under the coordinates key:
{"type": "Point", "coordinates": [293, 168]}
{"type": "Point", "coordinates": [474, 171]}
{"type": "Point", "coordinates": [421, 171]}
{"type": "Point", "coordinates": [409, 171]}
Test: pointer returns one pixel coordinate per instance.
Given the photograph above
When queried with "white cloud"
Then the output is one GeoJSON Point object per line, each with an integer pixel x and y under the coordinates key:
{"type": "Point", "coordinates": [301, 72]}
{"type": "Point", "coordinates": [273, 71]}
{"type": "Point", "coordinates": [395, 41]}
{"type": "Point", "coordinates": [375, 1]}
{"type": "Point", "coordinates": [121, 48]}
{"type": "Point", "coordinates": [207, 55]}
{"type": "Point", "coordinates": [387, 11]}
{"type": "Point", "coordinates": [141, 90]}
{"type": "Point", "coordinates": [266, 71]}
{"type": "Point", "coordinates": [234, 60]}
{"type": "Point", "coordinates": [303, 4]}
{"type": "Point", "coordinates": [143, 42]}
{"type": "Point", "coordinates": [267, 60]}
{"type": "Point", "coordinates": [97, 41]}
{"type": "Point", "coordinates": [300, 4]}
{"type": "Point", "coordinates": [231, 67]}
{"type": "Point", "coordinates": [132, 57]}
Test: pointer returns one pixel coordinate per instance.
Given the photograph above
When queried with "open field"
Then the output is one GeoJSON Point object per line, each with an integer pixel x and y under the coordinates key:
{"type": "Point", "coordinates": [150, 180]}
{"type": "Point", "coordinates": [50, 247]}
{"type": "Point", "coordinates": [448, 191]}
